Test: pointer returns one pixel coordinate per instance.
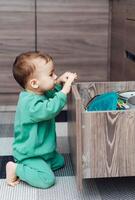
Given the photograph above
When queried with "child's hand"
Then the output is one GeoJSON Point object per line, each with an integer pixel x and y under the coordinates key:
{"type": "Point", "coordinates": [67, 86]}
{"type": "Point", "coordinates": [64, 77]}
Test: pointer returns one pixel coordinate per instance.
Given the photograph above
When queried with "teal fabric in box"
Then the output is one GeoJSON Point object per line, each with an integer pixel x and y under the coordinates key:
{"type": "Point", "coordinates": [102, 102]}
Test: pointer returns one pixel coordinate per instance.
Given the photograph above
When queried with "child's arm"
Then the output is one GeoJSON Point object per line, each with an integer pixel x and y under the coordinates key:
{"type": "Point", "coordinates": [47, 109]}
{"type": "Point", "coordinates": [41, 110]}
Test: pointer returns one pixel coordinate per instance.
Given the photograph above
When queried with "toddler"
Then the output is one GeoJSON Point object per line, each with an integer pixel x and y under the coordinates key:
{"type": "Point", "coordinates": [43, 97]}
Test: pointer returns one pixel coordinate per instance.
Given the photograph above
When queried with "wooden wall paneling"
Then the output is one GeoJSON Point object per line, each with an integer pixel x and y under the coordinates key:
{"type": "Point", "coordinates": [75, 33]}
{"type": "Point", "coordinates": [130, 41]}
{"type": "Point", "coordinates": [7, 99]}
{"type": "Point", "coordinates": [17, 35]}
{"type": "Point", "coordinates": [130, 69]}
{"type": "Point", "coordinates": [130, 9]}
{"type": "Point", "coordinates": [110, 4]}
{"type": "Point", "coordinates": [117, 65]}
{"type": "Point", "coordinates": [130, 36]}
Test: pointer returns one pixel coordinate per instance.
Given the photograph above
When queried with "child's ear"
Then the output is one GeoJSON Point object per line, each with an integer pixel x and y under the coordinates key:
{"type": "Point", "coordinates": [34, 83]}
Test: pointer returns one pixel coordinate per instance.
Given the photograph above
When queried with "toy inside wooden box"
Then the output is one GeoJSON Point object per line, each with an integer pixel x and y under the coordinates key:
{"type": "Point", "coordinates": [102, 143]}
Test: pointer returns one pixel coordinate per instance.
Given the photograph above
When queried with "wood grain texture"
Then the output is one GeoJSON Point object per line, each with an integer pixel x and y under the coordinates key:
{"type": "Point", "coordinates": [108, 139]}
{"type": "Point", "coordinates": [75, 33]}
{"type": "Point", "coordinates": [130, 69]}
{"type": "Point", "coordinates": [17, 35]}
{"type": "Point", "coordinates": [14, 5]}
{"type": "Point", "coordinates": [88, 90]}
{"type": "Point", "coordinates": [108, 144]}
{"type": "Point", "coordinates": [130, 9]}
{"type": "Point", "coordinates": [74, 133]}
{"type": "Point", "coordinates": [117, 65]}
{"type": "Point", "coordinates": [109, 38]}
{"type": "Point", "coordinates": [130, 37]}
{"type": "Point", "coordinates": [8, 99]}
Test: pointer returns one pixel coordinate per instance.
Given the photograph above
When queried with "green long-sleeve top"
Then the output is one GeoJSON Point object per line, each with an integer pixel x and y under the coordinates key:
{"type": "Point", "coordinates": [34, 127]}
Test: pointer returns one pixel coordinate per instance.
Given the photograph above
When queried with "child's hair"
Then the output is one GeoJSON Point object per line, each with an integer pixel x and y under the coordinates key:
{"type": "Point", "coordinates": [23, 66]}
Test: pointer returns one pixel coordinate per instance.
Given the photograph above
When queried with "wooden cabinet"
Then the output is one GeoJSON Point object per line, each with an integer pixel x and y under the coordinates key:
{"type": "Point", "coordinates": [130, 41]}
{"type": "Point", "coordinates": [130, 50]}
{"type": "Point", "coordinates": [17, 34]}
{"type": "Point", "coordinates": [130, 36]}
{"type": "Point", "coordinates": [122, 67]}
{"type": "Point", "coordinates": [102, 143]}
{"type": "Point", "coordinates": [129, 69]}
{"type": "Point", "coordinates": [117, 65]}
{"type": "Point", "coordinates": [75, 33]}
{"type": "Point", "coordinates": [130, 9]}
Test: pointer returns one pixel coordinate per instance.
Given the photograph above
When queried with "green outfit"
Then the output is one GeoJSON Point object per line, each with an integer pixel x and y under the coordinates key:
{"type": "Point", "coordinates": [34, 146]}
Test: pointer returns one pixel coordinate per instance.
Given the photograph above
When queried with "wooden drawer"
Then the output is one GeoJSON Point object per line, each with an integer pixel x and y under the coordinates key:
{"type": "Point", "coordinates": [17, 35]}
{"type": "Point", "coordinates": [102, 144]}
{"type": "Point", "coordinates": [131, 9]}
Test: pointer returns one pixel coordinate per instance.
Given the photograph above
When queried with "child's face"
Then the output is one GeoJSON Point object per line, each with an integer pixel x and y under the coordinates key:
{"type": "Point", "coordinates": [45, 75]}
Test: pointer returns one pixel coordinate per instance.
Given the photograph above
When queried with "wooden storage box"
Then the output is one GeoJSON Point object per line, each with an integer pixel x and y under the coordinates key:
{"type": "Point", "coordinates": [102, 144]}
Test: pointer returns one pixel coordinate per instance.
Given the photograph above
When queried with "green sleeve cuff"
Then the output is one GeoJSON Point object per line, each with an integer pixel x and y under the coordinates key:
{"type": "Point", "coordinates": [62, 96]}
{"type": "Point", "coordinates": [58, 87]}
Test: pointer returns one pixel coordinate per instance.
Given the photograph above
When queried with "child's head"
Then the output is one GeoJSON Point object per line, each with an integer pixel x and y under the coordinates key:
{"type": "Point", "coordinates": [34, 71]}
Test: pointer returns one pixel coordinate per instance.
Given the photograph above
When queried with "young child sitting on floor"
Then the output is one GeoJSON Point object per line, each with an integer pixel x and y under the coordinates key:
{"type": "Point", "coordinates": [43, 97]}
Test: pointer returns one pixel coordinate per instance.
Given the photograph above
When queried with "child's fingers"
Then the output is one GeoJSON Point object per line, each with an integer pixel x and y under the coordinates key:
{"type": "Point", "coordinates": [71, 77]}
{"type": "Point", "coordinates": [75, 76]}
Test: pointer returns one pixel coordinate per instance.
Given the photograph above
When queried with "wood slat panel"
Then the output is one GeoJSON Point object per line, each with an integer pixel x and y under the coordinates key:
{"type": "Point", "coordinates": [117, 65]}
{"type": "Point", "coordinates": [14, 5]}
{"type": "Point", "coordinates": [75, 33]}
{"type": "Point", "coordinates": [17, 35]}
{"type": "Point", "coordinates": [130, 36]}
{"type": "Point", "coordinates": [8, 83]}
{"type": "Point", "coordinates": [8, 99]}
{"type": "Point", "coordinates": [130, 9]}
{"type": "Point", "coordinates": [130, 69]}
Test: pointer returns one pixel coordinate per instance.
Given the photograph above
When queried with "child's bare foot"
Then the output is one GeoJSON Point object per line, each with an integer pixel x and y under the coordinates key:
{"type": "Point", "coordinates": [11, 177]}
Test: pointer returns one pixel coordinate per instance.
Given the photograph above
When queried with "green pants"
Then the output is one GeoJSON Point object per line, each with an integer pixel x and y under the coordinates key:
{"type": "Point", "coordinates": [38, 171]}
